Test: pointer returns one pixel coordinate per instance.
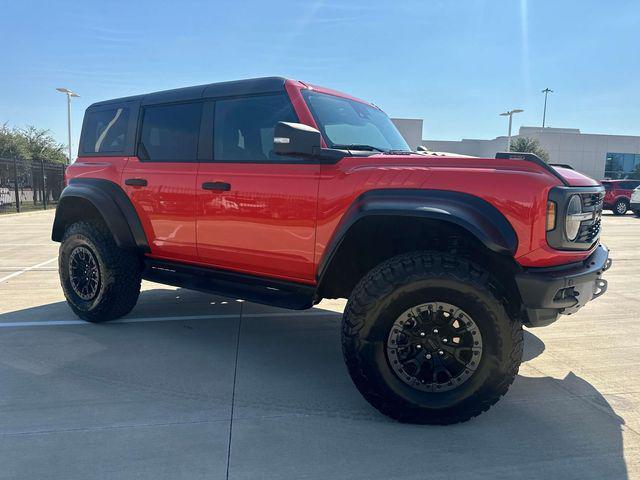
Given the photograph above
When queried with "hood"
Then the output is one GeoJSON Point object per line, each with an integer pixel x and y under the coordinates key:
{"type": "Point", "coordinates": [563, 173]}
{"type": "Point", "coordinates": [574, 178]}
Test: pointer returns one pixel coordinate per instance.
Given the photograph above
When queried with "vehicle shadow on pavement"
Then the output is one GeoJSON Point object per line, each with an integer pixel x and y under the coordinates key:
{"type": "Point", "coordinates": [291, 393]}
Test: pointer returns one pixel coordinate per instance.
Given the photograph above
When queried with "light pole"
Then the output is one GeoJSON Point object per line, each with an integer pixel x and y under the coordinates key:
{"type": "Point", "coordinates": [69, 95]}
{"type": "Point", "coordinates": [509, 114]}
{"type": "Point", "coordinates": [546, 92]}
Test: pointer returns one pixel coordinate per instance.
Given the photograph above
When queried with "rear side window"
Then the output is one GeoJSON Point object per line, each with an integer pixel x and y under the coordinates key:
{"type": "Point", "coordinates": [243, 128]}
{"type": "Point", "coordinates": [170, 133]}
{"type": "Point", "coordinates": [105, 131]}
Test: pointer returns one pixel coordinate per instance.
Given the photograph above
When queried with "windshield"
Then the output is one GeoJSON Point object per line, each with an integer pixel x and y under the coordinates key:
{"type": "Point", "coordinates": [347, 123]}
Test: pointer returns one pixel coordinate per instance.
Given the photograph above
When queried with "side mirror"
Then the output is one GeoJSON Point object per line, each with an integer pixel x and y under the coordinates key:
{"type": "Point", "coordinates": [296, 139]}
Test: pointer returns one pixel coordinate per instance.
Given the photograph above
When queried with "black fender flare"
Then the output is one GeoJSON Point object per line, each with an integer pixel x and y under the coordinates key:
{"type": "Point", "coordinates": [472, 213]}
{"type": "Point", "coordinates": [111, 202]}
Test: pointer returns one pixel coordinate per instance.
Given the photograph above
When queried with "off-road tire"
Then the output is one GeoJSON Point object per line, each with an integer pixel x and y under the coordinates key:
{"type": "Point", "coordinates": [119, 273]}
{"type": "Point", "coordinates": [410, 279]}
{"type": "Point", "coordinates": [621, 207]}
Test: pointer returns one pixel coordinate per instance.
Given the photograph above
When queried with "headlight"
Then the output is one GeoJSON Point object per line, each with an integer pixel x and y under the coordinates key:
{"type": "Point", "coordinates": [573, 218]}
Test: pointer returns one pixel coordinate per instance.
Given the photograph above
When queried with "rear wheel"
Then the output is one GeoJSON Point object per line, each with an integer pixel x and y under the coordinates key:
{"type": "Point", "coordinates": [620, 207]}
{"type": "Point", "coordinates": [426, 340]}
{"type": "Point", "coordinates": [100, 280]}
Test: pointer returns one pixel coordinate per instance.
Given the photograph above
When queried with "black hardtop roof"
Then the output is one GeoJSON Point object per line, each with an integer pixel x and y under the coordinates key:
{"type": "Point", "coordinates": [221, 89]}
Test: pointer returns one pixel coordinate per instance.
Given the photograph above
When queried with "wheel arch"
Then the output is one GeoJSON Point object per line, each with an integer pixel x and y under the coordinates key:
{"type": "Point", "coordinates": [383, 219]}
{"type": "Point", "coordinates": [100, 200]}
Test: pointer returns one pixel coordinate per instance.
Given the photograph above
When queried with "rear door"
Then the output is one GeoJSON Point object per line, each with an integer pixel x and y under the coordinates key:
{"type": "Point", "coordinates": [256, 210]}
{"type": "Point", "coordinates": [161, 179]}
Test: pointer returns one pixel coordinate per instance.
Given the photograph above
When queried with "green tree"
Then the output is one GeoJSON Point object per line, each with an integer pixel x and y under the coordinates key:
{"type": "Point", "coordinates": [30, 143]}
{"type": "Point", "coordinates": [12, 145]}
{"type": "Point", "coordinates": [529, 145]}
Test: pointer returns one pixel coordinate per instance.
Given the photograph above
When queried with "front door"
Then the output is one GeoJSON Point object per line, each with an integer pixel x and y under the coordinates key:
{"type": "Point", "coordinates": [161, 181]}
{"type": "Point", "coordinates": [256, 210]}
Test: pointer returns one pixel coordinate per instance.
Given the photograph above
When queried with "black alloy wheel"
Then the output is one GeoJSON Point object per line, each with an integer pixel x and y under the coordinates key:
{"type": "Point", "coordinates": [434, 347]}
{"type": "Point", "coordinates": [84, 273]}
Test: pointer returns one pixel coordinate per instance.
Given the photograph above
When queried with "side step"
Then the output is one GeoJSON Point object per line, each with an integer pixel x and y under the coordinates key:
{"type": "Point", "coordinates": [267, 291]}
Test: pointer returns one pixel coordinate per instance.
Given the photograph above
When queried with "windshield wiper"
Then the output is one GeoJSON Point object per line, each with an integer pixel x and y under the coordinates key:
{"type": "Point", "coordinates": [359, 146]}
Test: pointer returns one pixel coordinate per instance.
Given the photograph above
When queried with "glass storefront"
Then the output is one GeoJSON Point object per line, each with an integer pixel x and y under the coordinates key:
{"type": "Point", "coordinates": [622, 165]}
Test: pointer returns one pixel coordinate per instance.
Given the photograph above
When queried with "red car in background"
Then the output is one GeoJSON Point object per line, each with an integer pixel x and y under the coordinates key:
{"type": "Point", "coordinates": [617, 195]}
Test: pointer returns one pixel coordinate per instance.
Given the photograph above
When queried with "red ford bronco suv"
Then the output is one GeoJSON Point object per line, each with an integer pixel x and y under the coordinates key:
{"type": "Point", "coordinates": [284, 193]}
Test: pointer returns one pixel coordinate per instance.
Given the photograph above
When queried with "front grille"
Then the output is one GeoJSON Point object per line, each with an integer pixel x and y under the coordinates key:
{"type": "Point", "coordinates": [589, 232]}
{"type": "Point", "coordinates": [592, 200]}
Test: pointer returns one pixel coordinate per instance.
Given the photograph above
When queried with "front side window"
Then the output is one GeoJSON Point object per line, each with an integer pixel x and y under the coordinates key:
{"type": "Point", "coordinates": [105, 131]}
{"type": "Point", "coordinates": [350, 124]}
{"type": "Point", "coordinates": [170, 133]}
{"type": "Point", "coordinates": [243, 128]}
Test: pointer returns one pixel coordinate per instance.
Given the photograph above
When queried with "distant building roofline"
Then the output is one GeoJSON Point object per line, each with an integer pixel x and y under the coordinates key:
{"type": "Point", "coordinates": [525, 131]}
{"type": "Point", "coordinates": [547, 130]}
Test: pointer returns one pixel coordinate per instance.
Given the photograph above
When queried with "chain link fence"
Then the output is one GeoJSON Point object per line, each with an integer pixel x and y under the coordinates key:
{"type": "Point", "coordinates": [29, 184]}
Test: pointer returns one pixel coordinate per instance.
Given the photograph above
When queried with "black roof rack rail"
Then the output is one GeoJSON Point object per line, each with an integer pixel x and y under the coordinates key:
{"type": "Point", "coordinates": [531, 157]}
{"type": "Point", "coordinates": [210, 90]}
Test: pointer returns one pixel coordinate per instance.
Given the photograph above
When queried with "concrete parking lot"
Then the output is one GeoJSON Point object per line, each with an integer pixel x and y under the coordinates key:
{"type": "Point", "coordinates": [195, 386]}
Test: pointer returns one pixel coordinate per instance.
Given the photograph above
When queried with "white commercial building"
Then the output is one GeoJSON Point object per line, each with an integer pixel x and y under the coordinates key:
{"type": "Point", "coordinates": [596, 155]}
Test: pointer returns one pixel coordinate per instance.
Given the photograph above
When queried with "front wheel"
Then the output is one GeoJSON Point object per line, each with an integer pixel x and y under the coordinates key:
{"type": "Point", "coordinates": [621, 207]}
{"type": "Point", "coordinates": [100, 280]}
{"type": "Point", "coordinates": [426, 340]}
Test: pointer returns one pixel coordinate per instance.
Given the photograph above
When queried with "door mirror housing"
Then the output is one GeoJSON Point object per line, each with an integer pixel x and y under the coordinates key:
{"type": "Point", "coordinates": [296, 139]}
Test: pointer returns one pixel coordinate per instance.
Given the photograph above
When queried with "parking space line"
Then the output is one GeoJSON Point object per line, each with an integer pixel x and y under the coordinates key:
{"type": "Point", "coordinates": [26, 244]}
{"type": "Point", "coordinates": [39, 269]}
{"type": "Point", "coordinates": [53, 323]}
{"type": "Point", "coordinates": [27, 269]}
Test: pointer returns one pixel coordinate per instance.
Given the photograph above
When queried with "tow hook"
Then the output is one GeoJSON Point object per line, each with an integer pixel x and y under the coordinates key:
{"type": "Point", "coordinates": [600, 286]}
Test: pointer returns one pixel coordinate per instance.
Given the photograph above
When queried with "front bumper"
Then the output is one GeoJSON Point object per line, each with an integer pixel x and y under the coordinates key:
{"type": "Point", "coordinates": [549, 292]}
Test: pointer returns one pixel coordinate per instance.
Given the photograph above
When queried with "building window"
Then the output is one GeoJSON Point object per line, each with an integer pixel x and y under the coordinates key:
{"type": "Point", "coordinates": [622, 165]}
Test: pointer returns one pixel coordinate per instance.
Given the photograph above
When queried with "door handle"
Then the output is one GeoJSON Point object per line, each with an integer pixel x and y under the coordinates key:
{"type": "Point", "coordinates": [136, 182]}
{"type": "Point", "coordinates": [221, 186]}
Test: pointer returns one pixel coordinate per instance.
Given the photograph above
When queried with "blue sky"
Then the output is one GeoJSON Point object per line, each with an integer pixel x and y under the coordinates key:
{"type": "Point", "coordinates": [457, 64]}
